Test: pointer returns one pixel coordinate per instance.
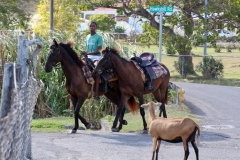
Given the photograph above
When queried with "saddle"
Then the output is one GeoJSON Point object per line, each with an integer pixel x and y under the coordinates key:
{"type": "Point", "coordinates": [147, 61]}
{"type": "Point", "coordinates": [106, 76]}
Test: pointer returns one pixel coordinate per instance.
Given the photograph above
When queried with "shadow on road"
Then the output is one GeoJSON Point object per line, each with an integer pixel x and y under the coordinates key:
{"type": "Point", "coordinates": [194, 109]}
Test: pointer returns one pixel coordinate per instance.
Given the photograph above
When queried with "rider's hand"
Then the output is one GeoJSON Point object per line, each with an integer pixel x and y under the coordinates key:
{"type": "Point", "coordinates": [84, 53]}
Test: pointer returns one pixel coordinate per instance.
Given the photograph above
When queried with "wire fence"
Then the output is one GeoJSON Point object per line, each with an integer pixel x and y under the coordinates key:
{"type": "Point", "coordinates": [15, 132]}
{"type": "Point", "coordinates": [231, 64]}
{"type": "Point", "coordinates": [19, 96]}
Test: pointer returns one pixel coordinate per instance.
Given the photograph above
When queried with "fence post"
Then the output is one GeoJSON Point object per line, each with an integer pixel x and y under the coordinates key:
{"type": "Point", "coordinates": [23, 61]}
{"type": "Point", "coordinates": [23, 58]}
{"type": "Point", "coordinates": [6, 90]}
{"type": "Point", "coordinates": [183, 66]}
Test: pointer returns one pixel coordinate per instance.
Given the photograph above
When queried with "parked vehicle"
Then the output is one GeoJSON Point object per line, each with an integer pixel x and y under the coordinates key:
{"type": "Point", "coordinates": [229, 35]}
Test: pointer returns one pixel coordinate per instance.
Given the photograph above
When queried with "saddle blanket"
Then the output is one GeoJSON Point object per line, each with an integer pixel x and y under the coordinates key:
{"type": "Point", "coordinates": [158, 70]}
{"type": "Point", "coordinates": [88, 74]}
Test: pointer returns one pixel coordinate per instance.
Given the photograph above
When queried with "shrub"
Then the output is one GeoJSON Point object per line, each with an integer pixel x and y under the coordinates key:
{"type": "Point", "coordinates": [170, 50]}
{"type": "Point", "coordinates": [213, 68]}
{"type": "Point", "coordinates": [229, 48]}
{"type": "Point", "coordinates": [119, 29]}
{"type": "Point", "coordinates": [218, 49]}
{"type": "Point", "coordinates": [184, 69]}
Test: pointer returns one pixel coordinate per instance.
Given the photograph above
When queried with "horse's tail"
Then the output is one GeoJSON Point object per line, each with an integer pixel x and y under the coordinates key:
{"type": "Point", "coordinates": [168, 74]}
{"type": "Point", "coordinates": [132, 105]}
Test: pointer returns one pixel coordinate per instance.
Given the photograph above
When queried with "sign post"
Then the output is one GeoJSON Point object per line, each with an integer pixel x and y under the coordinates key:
{"type": "Point", "coordinates": [160, 10]}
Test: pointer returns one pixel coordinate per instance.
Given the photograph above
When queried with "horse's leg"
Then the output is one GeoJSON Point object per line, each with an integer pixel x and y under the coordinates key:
{"type": "Point", "coordinates": [83, 120]}
{"type": "Point", "coordinates": [142, 112]}
{"type": "Point", "coordinates": [164, 94]}
{"type": "Point", "coordinates": [76, 125]}
{"type": "Point", "coordinates": [121, 121]}
{"type": "Point", "coordinates": [115, 98]}
{"type": "Point", "coordinates": [160, 97]}
{"type": "Point", "coordinates": [122, 103]}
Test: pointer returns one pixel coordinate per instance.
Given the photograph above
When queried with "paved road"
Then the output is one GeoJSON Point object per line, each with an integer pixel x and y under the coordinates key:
{"type": "Point", "coordinates": [217, 106]}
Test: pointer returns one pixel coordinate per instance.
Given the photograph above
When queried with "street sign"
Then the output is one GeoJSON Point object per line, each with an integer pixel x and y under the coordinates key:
{"type": "Point", "coordinates": [161, 8]}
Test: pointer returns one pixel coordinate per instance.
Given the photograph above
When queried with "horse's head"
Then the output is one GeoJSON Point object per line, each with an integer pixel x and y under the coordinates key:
{"type": "Point", "coordinates": [104, 62]}
{"type": "Point", "coordinates": [54, 56]}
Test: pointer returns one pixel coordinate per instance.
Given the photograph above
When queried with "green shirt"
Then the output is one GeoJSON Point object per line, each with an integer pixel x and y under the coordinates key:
{"type": "Point", "coordinates": [93, 42]}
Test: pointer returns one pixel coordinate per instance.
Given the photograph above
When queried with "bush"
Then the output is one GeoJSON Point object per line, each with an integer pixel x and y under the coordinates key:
{"type": "Point", "coordinates": [218, 49]}
{"type": "Point", "coordinates": [184, 70]}
{"type": "Point", "coordinates": [170, 50]}
{"type": "Point", "coordinates": [119, 29]}
{"type": "Point", "coordinates": [229, 48]}
{"type": "Point", "coordinates": [212, 69]}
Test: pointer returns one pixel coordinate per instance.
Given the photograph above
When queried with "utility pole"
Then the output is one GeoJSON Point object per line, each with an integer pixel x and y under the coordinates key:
{"type": "Point", "coordinates": [205, 24]}
{"type": "Point", "coordinates": [51, 19]}
{"type": "Point", "coordinates": [160, 35]}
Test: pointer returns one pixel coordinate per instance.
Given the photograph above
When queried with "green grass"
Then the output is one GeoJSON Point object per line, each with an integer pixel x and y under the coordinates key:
{"type": "Point", "coordinates": [54, 124]}
{"type": "Point", "coordinates": [135, 123]}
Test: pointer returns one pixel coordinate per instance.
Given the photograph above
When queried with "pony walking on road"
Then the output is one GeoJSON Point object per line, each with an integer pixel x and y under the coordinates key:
{"type": "Point", "coordinates": [131, 83]}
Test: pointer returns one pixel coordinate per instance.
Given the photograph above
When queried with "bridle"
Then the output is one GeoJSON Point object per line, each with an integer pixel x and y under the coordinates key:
{"type": "Point", "coordinates": [55, 65]}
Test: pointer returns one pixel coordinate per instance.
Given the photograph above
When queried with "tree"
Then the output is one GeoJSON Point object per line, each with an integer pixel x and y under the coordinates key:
{"type": "Point", "coordinates": [66, 17]}
{"type": "Point", "coordinates": [12, 16]}
{"type": "Point", "coordinates": [104, 22]}
{"type": "Point", "coordinates": [189, 10]}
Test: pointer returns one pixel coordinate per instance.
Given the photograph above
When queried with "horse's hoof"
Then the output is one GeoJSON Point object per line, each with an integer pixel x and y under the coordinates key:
{"type": "Point", "coordinates": [125, 122]}
{"type": "Point", "coordinates": [89, 126]}
{"type": "Point", "coordinates": [115, 130]}
{"type": "Point", "coordinates": [73, 131]}
{"type": "Point", "coordinates": [145, 131]}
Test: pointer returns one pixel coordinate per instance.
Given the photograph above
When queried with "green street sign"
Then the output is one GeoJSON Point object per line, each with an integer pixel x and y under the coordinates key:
{"type": "Point", "coordinates": [161, 8]}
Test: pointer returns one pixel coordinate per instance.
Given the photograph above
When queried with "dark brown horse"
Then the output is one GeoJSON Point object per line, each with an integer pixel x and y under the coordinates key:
{"type": "Point", "coordinates": [76, 83]}
{"type": "Point", "coordinates": [131, 83]}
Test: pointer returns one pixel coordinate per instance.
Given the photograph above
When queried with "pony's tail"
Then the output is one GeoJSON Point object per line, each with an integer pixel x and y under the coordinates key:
{"type": "Point", "coordinates": [132, 105]}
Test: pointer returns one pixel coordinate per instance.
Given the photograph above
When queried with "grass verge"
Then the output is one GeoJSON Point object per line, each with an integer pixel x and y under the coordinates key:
{"type": "Point", "coordinates": [54, 124]}
{"type": "Point", "coordinates": [135, 123]}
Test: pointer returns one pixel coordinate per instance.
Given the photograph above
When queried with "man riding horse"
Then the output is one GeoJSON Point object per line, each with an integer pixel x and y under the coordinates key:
{"type": "Point", "coordinates": [94, 44]}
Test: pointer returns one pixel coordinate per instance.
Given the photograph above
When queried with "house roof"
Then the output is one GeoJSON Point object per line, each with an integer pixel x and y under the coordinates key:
{"type": "Point", "coordinates": [105, 9]}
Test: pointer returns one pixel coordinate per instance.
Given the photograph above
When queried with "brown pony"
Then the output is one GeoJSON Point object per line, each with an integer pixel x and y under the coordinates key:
{"type": "Point", "coordinates": [76, 83]}
{"type": "Point", "coordinates": [131, 83]}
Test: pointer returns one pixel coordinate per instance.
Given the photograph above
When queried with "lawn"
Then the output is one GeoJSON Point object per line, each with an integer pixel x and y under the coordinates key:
{"type": "Point", "coordinates": [135, 121]}
{"type": "Point", "coordinates": [230, 60]}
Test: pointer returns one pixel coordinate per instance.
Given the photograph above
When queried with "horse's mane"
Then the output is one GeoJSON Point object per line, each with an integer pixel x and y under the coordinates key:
{"type": "Point", "coordinates": [116, 51]}
{"type": "Point", "coordinates": [72, 53]}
